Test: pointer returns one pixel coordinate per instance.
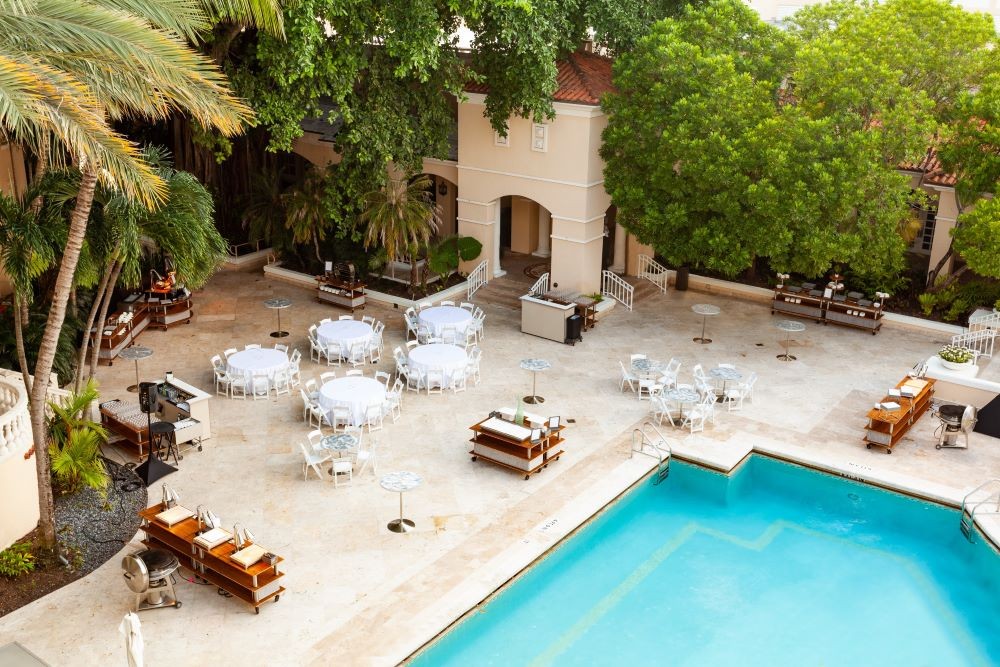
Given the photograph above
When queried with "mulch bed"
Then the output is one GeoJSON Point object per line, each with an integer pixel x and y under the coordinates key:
{"type": "Point", "coordinates": [91, 529]}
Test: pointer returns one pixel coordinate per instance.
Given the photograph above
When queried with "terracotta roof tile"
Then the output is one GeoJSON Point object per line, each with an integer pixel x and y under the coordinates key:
{"type": "Point", "coordinates": [930, 167]}
{"type": "Point", "coordinates": [582, 78]}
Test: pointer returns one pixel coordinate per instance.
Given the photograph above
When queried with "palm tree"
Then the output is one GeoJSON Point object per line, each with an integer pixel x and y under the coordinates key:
{"type": "Point", "coordinates": [183, 227]}
{"type": "Point", "coordinates": [67, 67]}
{"type": "Point", "coordinates": [25, 253]}
{"type": "Point", "coordinates": [402, 217]}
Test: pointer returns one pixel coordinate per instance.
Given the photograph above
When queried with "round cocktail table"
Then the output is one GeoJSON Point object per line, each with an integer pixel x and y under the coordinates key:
{"type": "Point", "coordinates": [789, 327]}
{"type": "Point", "coordinates": [400, 482]}
{"type": "Point", "coordinates": [136, 352]}
{"type": "Point", "coordinates": [534, 365]}
{"type": "Point", "coordinates": [278, 304]}
{"type": "Point", "coordinates": [726, 375]}
{"type": "Point", "coordinates": [706, 310]}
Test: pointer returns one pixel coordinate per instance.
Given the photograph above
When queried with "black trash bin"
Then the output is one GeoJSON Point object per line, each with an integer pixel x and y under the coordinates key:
{"type": "Point", "coordinates": [574, 329]}
{"type": "Point", "coordinates": [681, 279]}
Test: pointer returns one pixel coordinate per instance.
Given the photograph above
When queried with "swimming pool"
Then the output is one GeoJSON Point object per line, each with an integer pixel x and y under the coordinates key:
{"type": "Point", "coordinates": [776, 565]}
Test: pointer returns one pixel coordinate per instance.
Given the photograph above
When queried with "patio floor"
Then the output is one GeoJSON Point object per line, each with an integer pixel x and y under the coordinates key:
{"type": "Point", "coordinates": [359, 594]}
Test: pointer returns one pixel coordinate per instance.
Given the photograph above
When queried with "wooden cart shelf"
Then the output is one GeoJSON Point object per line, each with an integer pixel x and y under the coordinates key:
{"type": "Point", "coordinates": [343, 293]}
{"type": "Point", "coordinates": [255, 585]}
{"type": "Point", "coordinates": [887, 427]}
{"type": "Point", "coordinates": [113, 337]}
{"type": "Point", "coordinates": [165, 314]}
{"type": "Point", "coordinates": [515, 449]}
{"type": "Point", "coordinates": [823, 306]}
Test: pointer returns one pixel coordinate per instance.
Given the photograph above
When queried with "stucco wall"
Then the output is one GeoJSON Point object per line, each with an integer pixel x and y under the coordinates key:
{"type": "Point", "coordinates": [18, 485]}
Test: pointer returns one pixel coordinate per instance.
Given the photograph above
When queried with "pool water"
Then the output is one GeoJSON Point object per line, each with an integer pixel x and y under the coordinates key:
{"type": "Point", "coordinates": [776, 565]}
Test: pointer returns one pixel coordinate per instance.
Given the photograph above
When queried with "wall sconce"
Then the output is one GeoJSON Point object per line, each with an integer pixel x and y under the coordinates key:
{"type": "Point", "coordinates": [442, 188]}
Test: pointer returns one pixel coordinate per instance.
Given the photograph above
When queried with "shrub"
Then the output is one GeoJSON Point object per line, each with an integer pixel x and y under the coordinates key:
{"type": "Point", "coordinates": [955, 354]}
{"type": "Point", "coordinates": [17, 560]}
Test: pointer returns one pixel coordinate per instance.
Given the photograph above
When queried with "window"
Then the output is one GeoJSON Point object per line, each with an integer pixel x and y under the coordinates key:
{"type": "Point", "coordinates": [503, 141]}
{"type": "Point", "coordinates": [927, 215]}
{"type": "Point", "coordinates": [539, 137]}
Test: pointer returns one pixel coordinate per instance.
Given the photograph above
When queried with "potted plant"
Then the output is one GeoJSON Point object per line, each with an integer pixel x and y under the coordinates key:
{"type": "Point", "coordinates": [955, 357]}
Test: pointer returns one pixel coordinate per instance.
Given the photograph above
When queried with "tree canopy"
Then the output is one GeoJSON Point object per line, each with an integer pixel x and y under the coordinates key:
{"type": "Point", "coordinates": [730, 140]}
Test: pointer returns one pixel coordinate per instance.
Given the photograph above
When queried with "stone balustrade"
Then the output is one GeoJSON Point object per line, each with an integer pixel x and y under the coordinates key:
{"type": "Point", "coordinates": [15, 424]}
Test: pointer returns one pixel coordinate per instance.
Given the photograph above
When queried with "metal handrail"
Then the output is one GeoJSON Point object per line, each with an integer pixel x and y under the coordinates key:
{"type": "Point", "coordinates": [979, 341]}
{"type": "Point", "coordinates": [653, 271]}
{"type": "Point", "coordinates": [234, 249]}
{"type": "Point", "coordinates": [967, 526]}
{"type": "Point", "coordinates": [661, 450]}
{"type": "Point", "coordinates": [476, 279]}
{"type": "Point", "coordinates": [541, 285]}
{"type": "Point", "coordinates": [614, 286]}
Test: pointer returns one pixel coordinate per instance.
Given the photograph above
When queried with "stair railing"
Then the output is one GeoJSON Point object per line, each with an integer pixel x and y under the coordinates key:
{"type": "Point", "coordinates": [476, 279]}
{"type": "Point", "coordinates": [653, 271]}
{"type": "Point", "coordinates": [615, 287]}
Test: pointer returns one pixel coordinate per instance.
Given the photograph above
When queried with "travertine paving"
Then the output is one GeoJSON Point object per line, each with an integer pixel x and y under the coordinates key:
{"type": "Point", "coordinates": [359, 594]}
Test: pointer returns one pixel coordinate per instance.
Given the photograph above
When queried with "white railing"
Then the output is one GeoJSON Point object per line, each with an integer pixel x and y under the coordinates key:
{"type": "Point", "coordinates": [15, 422]}
{"type": "Point", "coordinates": [246, 248]}
{"type": "Point", "coordinates": [980, 341]}
{"type": "Point", "coordinates": [541, 285]}
{"type": "Point", "coordinates": [653, 271]}
{"type": "Point", "coordinates": [477, 278]}
{"type": "Point", "coordinates": [614, 286]}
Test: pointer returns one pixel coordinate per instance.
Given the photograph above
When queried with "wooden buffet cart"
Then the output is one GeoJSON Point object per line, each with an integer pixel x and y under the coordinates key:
{"type": "Point", "coordinates": [255, 585]}
{"type": "Point", "coordinates": [887, 427]}
{"type": "Point", "coordinates": [523, 449]}
{"type": "Point", "coordinates": [114, 337]}
{"type": "Point", "coordinates": [824, 306]}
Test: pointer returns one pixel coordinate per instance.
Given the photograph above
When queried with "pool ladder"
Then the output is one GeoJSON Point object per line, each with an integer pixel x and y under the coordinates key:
{"type": "Point", "coordinates": [652, 444]}
{"type": "Point", "coordinates": [970, 505]}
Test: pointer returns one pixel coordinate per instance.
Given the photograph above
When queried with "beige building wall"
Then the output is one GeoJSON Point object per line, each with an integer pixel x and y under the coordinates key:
{"type": "Point", "coordinates": [944, 222]}
{"type": "Point", "coordinates": [18, 484]}
{"type": "Point", "coordinates": [562, 175]}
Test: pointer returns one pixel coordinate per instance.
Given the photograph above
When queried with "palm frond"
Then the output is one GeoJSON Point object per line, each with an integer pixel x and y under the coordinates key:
{"type": "Point", "coordinates": [265, 15]}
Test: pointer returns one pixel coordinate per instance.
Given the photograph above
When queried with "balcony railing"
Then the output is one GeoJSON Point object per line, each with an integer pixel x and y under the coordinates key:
{"type": "Point", "coordinates": [15, 423]}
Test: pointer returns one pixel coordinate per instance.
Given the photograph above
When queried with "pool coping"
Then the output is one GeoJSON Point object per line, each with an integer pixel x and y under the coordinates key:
{"type": "Point", "coordinates": [564, 522]}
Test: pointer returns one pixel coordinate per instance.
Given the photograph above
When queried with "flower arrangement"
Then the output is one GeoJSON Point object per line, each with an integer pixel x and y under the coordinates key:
{"type": "Point", "coordinates": [955, 354]}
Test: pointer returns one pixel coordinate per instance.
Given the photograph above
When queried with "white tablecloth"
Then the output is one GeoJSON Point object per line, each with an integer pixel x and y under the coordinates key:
{"type": "Point", "coordinates": [448, 359]}
{"type": "Point", "coordinates": [345, 332]}
{"type": "Point", "coordinates": [357, 393]}
{"type": "Point", "coordinates": [437, 318]}
{"type": "Point", "coordinates": [265, 361]}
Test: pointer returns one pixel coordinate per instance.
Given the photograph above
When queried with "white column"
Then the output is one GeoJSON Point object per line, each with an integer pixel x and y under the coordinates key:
{"type": "Point", "coordinates": [544, 234]}
{"type": "Point", "coordinates": [621, 237]}
{"type": "Point", "coordinates": [497, 271]}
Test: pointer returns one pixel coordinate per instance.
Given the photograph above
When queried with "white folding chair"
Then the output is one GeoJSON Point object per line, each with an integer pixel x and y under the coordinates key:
{"type": "Point", "coordinates": [383, 377]}
{"type": "Point", "coordinates": [231, 351]}
{"type": "Point", "coordinates": [327, 376]}
{"type": "Point", "coordinates": [341, 467]}
{"type": "Point", "coordinates": [434, 381]}
{"type": "Point", "coordinates": [316, 349]}
{"type": "Point", "coordinates": [239, 386]}
{"type": "Point", "coordinates": [373, 416]}
{"type": "Point", "coordinates": [635, 357]}
{"type": "Point", "coordinates": [394, 397]}
{"type": "Point", "coordinates": [252, 346]}
{"type": "Point", "coordinates": [345, 317]}
{"type": "Point", "coordinates": [340, 417]}
{"type": "Point", "coordinates": [660, 408]}
{"type": "Point", "coordinates": [281, 384]}
{"type": "Point", "coordinates": [223, 382]}
{"type": "Point", "coordinates": [423, 304]}
{"type": "Point", "coordinates": [333, 354]}
{"type": "Point", "coordinates": [325, 320]}
{"type": "Point", "coordinates": [314, 436]}
{"type": "Point", "coordinates": [281, 347]}
{"type": "Point", "coordinates": [447, 303]}
{"type": "Point", "coordinates": [356, 354]}
{"type": "Point", "coordinates": [467, 306]}
{"type": "Point", "coordinates": [260, 386]}
{"type": "Point", "coordinates": [449, 335]}
{"type": "Point", "coordinates": [627, 376]}
{"type": "Point", "coordinates": [365, 456]}
{"type": "Point", "coordinates": [368, 319]}
{"type": "Point", "coordinates": [410, 344]}
{"type": "Point", "coordinates": [312, 459]}
{"type": "Point", "coordinates": [294, 369]}
{"type": "Point", "coordinates": [354, 372]}
{"type": "Point", "coordinates": [312, 388]}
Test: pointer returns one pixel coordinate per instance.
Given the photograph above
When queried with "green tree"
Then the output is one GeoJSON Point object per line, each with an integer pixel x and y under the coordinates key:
{"type": "Point", "coordinates": [75, 442]}
{"type": "Point", "coordinates": [729, 140]}
{"type": "Point", "coordinates": [401, 217]}
{"type": "Point", "coordinates": [67, 67]}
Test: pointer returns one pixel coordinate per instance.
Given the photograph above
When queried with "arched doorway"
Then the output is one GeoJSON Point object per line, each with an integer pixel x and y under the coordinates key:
{"type": "Point", "coordinates": [525, 228]}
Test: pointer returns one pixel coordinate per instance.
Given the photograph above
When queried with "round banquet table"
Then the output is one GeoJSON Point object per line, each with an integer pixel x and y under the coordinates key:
{"type": "Point", "coordinates": [450, 360]}
{"type": "Point", "coordinates": [262, 361]}
{"type": "Point", "coordinates": [356, 393]}
{"type": "Point", "coordinates": [346, 332]}
{"type": "Point", "coordinates": [436, 318]}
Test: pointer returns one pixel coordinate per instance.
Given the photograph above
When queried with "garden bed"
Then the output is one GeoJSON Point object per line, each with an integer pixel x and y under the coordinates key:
{"type": "Point", "coordinates": [91, 530]}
